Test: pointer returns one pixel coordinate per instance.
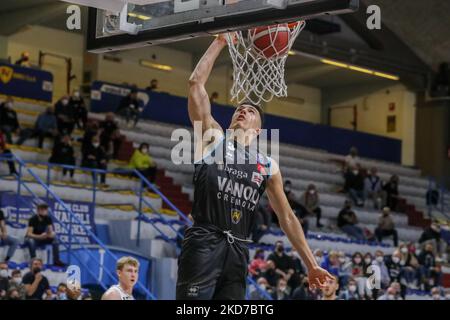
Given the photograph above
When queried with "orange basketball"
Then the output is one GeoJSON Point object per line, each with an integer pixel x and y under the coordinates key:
{"type": "Point", "coordinates": [271, 41]}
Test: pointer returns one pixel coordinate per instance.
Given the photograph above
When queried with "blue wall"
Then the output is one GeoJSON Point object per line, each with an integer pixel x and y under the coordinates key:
{"type": "Point", "coordinates": [173, 109]}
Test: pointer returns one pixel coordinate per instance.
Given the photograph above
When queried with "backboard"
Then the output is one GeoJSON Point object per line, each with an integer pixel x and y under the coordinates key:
{"type": "Point", "coordinates": [148, 22]}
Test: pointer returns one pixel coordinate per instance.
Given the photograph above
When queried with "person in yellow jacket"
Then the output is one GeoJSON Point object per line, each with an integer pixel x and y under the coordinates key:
{"type": "Point", "coordinates": [142, 161]}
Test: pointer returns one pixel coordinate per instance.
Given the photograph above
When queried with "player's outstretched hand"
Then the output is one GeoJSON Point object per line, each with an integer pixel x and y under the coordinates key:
{"type": "Point", "coordinates": [223, 37]}
{"type": "Point", "coordinates": [318, 277]}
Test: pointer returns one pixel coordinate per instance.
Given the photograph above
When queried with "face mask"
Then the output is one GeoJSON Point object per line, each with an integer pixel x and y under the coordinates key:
{"type": "Point", "coordinates": [287, 189]}
{"type": "Point", "coordinates": [402, 262]}
{"type": "Point", "coordinates": [144, 150]}
{"type": "Point", "coordinates": [36, 270]}
{"type": "Point", "coordinates": [352, 288]}
{"type": "Point", "coordinates": [357, 260]}
{"type": "Point", "coordinates": [367, 260]}
{"type": "Point", "coordinates": [9, 105]}
{"type": "Point", "coordinates": [282, 289]}
{"type": "Point", "coordinates": [62, 296]}
{"type": "Point", "coordinates": [3, 273]}
{"type": "Point", "coordinates": [318, 259]}
{"type": "Point", "coordinates": [436, 297]}
{"type": "Point", "coordinates": [64, 102]}
{"type": "Point", "coordinates": [17, 280]}
{"type": "Point", "coordinates": [391, 297]}
{"type": "Point", "coordinates": [447, 297]}
{"type": "Point", "coordinates": [395, 259]}
{"type": "Point", "coordinates": [96, 145]}
{"type": "Point", "coordinates": [355, 172]}
{"type": "Point", "coordinates": [380, 259]}
{"type": "Point", "coordinates": [280, 249]}
{"type": "Point", "coordinates": [263, 286]}
{"type": "Point", "coordinates": [404, 250]}
{"type": "Point", "coordinates": [312, 191]}
{"type": "Point", "coordinates": [342, 260]}
{"type": "Point", "coordinates": [76, 94]}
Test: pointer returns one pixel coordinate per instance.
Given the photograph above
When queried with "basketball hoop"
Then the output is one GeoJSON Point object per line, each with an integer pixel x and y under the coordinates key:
{"type": "Point", "coordinates": [259, 56]}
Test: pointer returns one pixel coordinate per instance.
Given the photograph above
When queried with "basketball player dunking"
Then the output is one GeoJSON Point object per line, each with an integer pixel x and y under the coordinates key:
{"type": "Point", "coordinates": [127, 269]}
{"type": "Point", "coordinates": [214, 256]}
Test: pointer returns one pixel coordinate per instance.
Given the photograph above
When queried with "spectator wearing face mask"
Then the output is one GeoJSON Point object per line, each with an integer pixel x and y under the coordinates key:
{"type": "Point", "coordinates": [436, 294]}
{"type": "Point", "coordinates": [347, 221]}
{"type": "Point", "coordinates": [319, 256]}
{"type": "Point", "coordinates": [94, 157]}
{"type": "Point", "coordinates": [331, 263]}
{"type": "Point", "coordinates": [65, 116]}
{"type": "Point", "coordinates": [330, 289]}
{"type": "Point", "coordinates": [7, 153]}
{"type": "Point", "coordinates": [263, 219]}
{"type": "Point", "coordinates": [41, 232]}
{"type": "Point", "coordinates": [61, 292]}
{"type": "Point", "coordinates": [429, 272]}
{"type": "Point", "coordinates": [345, 269]}
{"type": "Point", "coordinates": [302, 292]}
{"type": "Point", "coordinates": [110, 138]}
{"type": "Point", "coordinates": [358, 272]}
{"type": "Point", "coordinates": [45, 126]}
{"type": "Point", "coordinates": [299, 210]}
{"type": "Point", "coordinates": [283, 263]}
{"type": "Point", "coordinates": [36, 284]}
{"type": "Point", "coordinates": [433, 234]}
{"type": "Point", "coordinates": [296, 278]}
{"type": "Point", "coordinates": [391, 294]}
{"type": "Point", "coordinates": [367, 272]}
{"type": "Point", "coordinates": [6, 239]}
{"type": "Point", "coordinates": [351, 292]}
{"type": "Point", "coordinates": [354, 185]}
{"type": "Point", "coordinates": [373, 189]}
{"type": "Point", "coordinates": [394, 266]}
{"type": "Point", "coordinates": [310, 200]}
{"type": "Point", "coordinates": [16, 284]}
{"type": "Point", "coordinates": [263, 285]}
{"type": "Point", "coordinates": [143, 162]}
{"type": "Point", "coordinates": [391, 189]}
{"type": "Point", "coordinates": [410, 266]}
{"type": "Point", "coordinates": [281, 291]}
{"type": "Point", "coordinates": [4, 280]}
{"type": "Point", "coordinates": [351, 160]}
{"type": "Point", "coordinates": [384, 273]}
{"type": "Point", "coordinates": [257, 264]}
{"type": "Point", "coordinates": [386, 226]}
{"type": "Point", "coordinates": [130, 107]}
{"type": "Point", "coordinates": [270, 274]}
{"type": "Point", "coordinates": [80, 110]}
{"type": "Point", "coordinates": [64, 154]}
{"type": "Point", "coordinates": [153, 85]}
{"type": "Point", "coordinates": [9, 123]}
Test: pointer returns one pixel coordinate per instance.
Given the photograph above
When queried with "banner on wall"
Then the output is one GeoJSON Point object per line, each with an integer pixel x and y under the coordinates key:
{"type": "Point", "coordinates": [106, 97]}
{"type": "Point", "coordinates": [18, 210]}
{"type": "Point", "coordinates": [25, 82]}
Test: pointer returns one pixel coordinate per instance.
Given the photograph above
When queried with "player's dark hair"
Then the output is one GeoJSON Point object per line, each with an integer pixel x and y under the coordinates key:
{"type": "Point", "coordinates": [257, 107]}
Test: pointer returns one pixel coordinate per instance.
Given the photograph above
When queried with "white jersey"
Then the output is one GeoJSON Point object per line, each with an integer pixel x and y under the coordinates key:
{"type": "Point", "coordinates": [121, 292]}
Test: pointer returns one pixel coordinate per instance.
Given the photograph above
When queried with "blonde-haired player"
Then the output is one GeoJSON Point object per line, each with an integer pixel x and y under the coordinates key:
{"type": "Point", "coordinates": [127, 269]}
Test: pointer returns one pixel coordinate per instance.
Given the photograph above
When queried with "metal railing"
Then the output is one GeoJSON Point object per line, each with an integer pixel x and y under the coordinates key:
{"type": "Point", "coordinates": [442, 204]}
{"type": "Point", "coordinates": [68, 229]}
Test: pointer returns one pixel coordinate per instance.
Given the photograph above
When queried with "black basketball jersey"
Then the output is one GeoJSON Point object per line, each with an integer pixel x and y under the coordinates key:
{"type": "Point", "coordinates": [228, 185]}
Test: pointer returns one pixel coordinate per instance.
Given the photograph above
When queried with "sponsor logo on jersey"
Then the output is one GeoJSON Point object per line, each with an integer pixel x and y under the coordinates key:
{"type": "Point", "coordinates": [238, 173]}
{"type": "Point", "coordinates": [193, 291]}
{"type": "Point", "coordinates": [236, 216]}
{"type": "Point", "coordinates": [257, 178]}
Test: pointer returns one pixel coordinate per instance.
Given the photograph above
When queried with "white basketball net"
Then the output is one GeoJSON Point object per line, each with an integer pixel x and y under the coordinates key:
{"type": "Point", "coordinates": [256, 77]}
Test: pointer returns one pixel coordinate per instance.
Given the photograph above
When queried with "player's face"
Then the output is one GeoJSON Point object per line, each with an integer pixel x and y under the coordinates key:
{"type": "Point", "coordinates": [246, 117]}
{"type": "Point", "coordinates": [128, 275]}
{"type": "Point", "coordinates": [330, 288]}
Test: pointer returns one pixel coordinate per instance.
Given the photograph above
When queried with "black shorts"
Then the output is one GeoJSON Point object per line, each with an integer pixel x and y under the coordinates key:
{"type": "Point", "coordinates": [209, 267]}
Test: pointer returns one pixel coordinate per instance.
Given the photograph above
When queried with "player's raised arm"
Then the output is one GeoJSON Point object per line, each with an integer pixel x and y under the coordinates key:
{"type": "Point", "coordinates": [198, 100]}
{"type": "Point", "coordinates": [293, 230]}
